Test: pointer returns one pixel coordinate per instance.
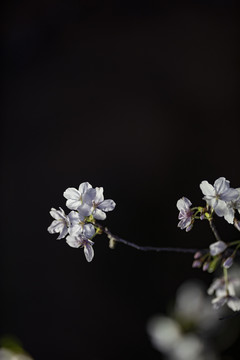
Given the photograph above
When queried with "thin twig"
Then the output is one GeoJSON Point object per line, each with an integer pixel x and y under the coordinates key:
{"type": "Point", "coordinates": [145, 248]}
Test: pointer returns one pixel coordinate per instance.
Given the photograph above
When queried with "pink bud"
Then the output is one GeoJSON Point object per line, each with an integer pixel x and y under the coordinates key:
{"type": "Point", "coordinates": [196, 264]}
{"type": "Point", "coordinates": [197, 255]}
{"type": "Point", "coordinates": [205, 266]}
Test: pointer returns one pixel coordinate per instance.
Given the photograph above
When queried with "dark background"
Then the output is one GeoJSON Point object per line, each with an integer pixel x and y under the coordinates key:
{"type": "Point", "coordinates": [140, 98]}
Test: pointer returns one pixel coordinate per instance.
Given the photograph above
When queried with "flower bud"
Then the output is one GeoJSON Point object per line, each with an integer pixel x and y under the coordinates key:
{"type": "Point", "coordinates": [197, 264]}
{"type": "Point", "coordinates": [206, 266]}
{"type": "Point", "coordinates": [217, 248]}
{"type": "Point", "coordinates": [197, 255]}
{"type": "Point", "coordinates": [228, 262]}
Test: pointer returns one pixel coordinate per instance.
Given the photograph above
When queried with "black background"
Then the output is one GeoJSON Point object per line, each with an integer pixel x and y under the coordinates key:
{"type": "Point", "coordinates": [140, 98]}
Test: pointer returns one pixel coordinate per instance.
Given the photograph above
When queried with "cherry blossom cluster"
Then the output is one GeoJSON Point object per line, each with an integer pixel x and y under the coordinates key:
{"type": "Point", "coordinates": [87, 205]}
{"type": "Point", "coordinates": [223, 201]}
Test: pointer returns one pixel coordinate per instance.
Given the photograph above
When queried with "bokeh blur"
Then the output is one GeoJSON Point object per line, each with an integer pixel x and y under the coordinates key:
{"type": "Point", "coordinates": [140, 98]}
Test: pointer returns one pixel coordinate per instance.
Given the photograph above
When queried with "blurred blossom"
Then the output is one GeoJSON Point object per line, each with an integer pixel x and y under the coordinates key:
{"type": "Point", "coordinates": [164, 332]}
{"type": "Point", "coordinates": [6, 354]}
{"type": "Point", "coordinates": [186, 333]}
{"type": "Point", "coordinates": [226, 291]}
{"type": "Point", "coordinates": [217, 248]}
{"type": "Point", "coordinates": [192, 305]}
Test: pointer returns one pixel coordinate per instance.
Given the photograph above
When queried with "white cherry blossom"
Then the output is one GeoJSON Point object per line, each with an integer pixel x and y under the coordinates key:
{"type": "Point", "coordinates": [83, 240]}
{"type": "Point", "coordinates": [225, 293]}
{"type": "Point", "coordinates": [77, 223]}
{"type": "Point", "coordinates": [94, 204]}
{"type": "Point", "coordinates": [185, 213]}
{"type": "Point", "coordinates": [218, 195]}
{"type": "Point", "coordinates": [60, 224]}
{"type": "Point", "coordinates": [232, 206]}
{"type": "Point", "coordinates": [74, 196]}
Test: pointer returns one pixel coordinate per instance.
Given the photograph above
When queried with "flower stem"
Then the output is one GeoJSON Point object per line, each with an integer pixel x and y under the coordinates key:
{"type": "Point", "coordinates": [214, 230]}
{"type": "Point", "coordinates": [225, 272]}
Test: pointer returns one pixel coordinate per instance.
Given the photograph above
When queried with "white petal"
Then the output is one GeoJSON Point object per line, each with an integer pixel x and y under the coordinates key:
{"type": "Point", "coordinates": [211, 201]}
{"type": "Point", "coordinates": [220, 208]}
{"type": "Point", "coordinates": [76, 230]}
{"type": "Point", "coordinates": [83, 187]}
{"type": "Point", "coordinates": [72, 193]}
{"type": "Point", "coordinates": [216, 284]}
{"type": "Point", "coordinates": [221, 185]}
{"type": "Point", "coordinates": [63, 233]}
{"type": "Point", "coordinates": [207, 189]}
{"type": "Point", "coordinates": [99, 195]}
{"type": "Point", "coordinates": [184, 223]}
{"type": "Point", "coordinates": [88, 231]}
{"type": "Point", "coordinates": [74, 241]}
{"type": "Point", "coordinates": [219, 302]}
{"type": "Point", "coordinates": [217, 248]}
{"type": "Point", "coordinates": [75, 217]}
{"type": "Point", "coordinates": [229, 215]}
{"type": "Point", "coordinates": [55, 227]}
{"type": "Point", "coordinates": [99, 214]}
{"type": "Point", "coordinates": [89, 196]}
{"type": "Point", "coordinates": [88, 251]}
{"type": "Point", "coordinates": [234, 303]}
{"type": "Point", "coordinates": [230, 195]}
{"type": "Point", "coordinates": [73, 204]}
{"type": "Point", "coordinates": [57, 214]}
{"type": "Point", "coordinates": [183, 203]}
{"type": "Point", "coordinates": [164, 332]}
{"type": "Point", "coordinates": [84, 210]}
{"type": "Point", "coordinates": [107, 205]}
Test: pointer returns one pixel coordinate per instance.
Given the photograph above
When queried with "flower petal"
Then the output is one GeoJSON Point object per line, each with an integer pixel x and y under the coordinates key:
{"type": "Point", "coordinates": [220, 208]}
{"type": "Point", "coordinates": [55, 227]}
{"type": "Point", "coordinates": [83, 187]}
{"type": "Point", "coordinates": [221, 185]}
{"type": "Point", "coordinates": [88, 251]}
{"type": "Point", "coordinates": [57, 214]}
{"type": "Point", "coordinates": [89, 196]}
{"type": "Point", "coordinates": [234, 303]}
{"type": "Point", "coordinates": [72, 193]}
{"type": "Point", "coordinates": [74, 217]}
{"type": "Point", "coordinates": [88, 231]}
{"type": "Point", "coordinates": [217, 248]}
{"type": "Point", "coordinates": [184, 223]}
{"type": "Point", "coordinates": [73, 204]}
{"type": "Point", "coordinates": [183, 204]}
{"type": "Point", "coordinates": [219, 302]}
{"type": "Point", "coordinates": [99, 214]}
{"type": "Point", "coordinates": [230, 195]}
{"type": "Point", "coordinates": [107, 205]}
{"type": "Point", "coordinates": [63, 232]}
{"type": "Point", "coordinates": [99, 195]}
{"type": "Point", "coordinates": [84, 210]}
{"type": "Point", "coordinates": [74, 241]}
{"type": "Point", "coordinates": [207, 189]}
{"type": "Point", "coordinates": [229, 215]}
{"type": "Point", "coordinates": [76, 230]}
